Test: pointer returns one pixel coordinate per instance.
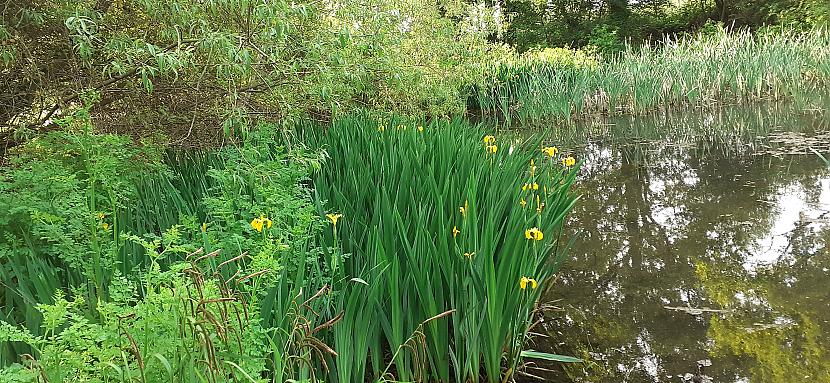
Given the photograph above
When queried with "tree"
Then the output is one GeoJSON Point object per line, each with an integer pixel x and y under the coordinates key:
{"type": "Point", "coordinates": [186, 68]}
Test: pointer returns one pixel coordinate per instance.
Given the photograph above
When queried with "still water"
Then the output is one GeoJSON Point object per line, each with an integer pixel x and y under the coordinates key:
{"type": "Point", "coordinates": [702, 250]}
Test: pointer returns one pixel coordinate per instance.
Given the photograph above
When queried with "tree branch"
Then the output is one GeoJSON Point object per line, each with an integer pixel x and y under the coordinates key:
{"type": "Point", "coordinates": [40, 124]}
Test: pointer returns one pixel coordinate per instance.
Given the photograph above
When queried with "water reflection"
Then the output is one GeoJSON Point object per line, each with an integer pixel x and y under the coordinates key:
{"type": "Point", "coordinates": [737, 246]}
{"type": "Point", "coordinates": [732, 130]}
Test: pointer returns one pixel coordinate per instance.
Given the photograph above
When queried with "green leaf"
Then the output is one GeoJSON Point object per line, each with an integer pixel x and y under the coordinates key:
{"type": "Point", "coordinates": [245, 374]}
{"type": "Point", "coordinates": [553, 357]}
{"type": "Point", "coordinates": [823, 158]}
{"type": "Point", "coordinates": [164, 362]}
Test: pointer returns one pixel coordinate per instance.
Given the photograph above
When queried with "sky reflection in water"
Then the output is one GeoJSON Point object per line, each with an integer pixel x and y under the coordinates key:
{"type": "Point", "coordinates": [712, 224]}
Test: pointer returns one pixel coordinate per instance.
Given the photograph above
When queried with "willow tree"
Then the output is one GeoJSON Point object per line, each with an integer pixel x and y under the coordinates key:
{"type": "Point", "coordinates": [193, 69]}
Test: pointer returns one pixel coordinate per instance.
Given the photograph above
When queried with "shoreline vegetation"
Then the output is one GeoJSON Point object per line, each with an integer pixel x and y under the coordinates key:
{"type": "Point", "coordinates": [705, 70]}
{"type": "Point", "coordinates": [712, 67]}
{"type": "Point", "coordinates": [223, 266]}
{"type": "Point", "coordinates": [294, 191]}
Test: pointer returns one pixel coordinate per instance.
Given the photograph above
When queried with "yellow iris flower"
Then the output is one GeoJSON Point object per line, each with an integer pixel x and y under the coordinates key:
{"type": "Point", "coordinates": [569, 161]}
{"type": "Point", "coordinates": [550, 151]}
{"type": "Point", "coordinates": [259, 223]}
{"type": "Point", "coordinates": [534, 234]}
{"type": "Point", "coordinates": [533, 186]}
{"type": "Point", "coordinates": [464, 209]}
{"type": "Point", "coordinates": [455, 231]}
{"type": "Point", "coordinates": [492, 149]}
{"type": "Point", "coordinates": [525, 280]}
{"type": "Point", "coordinates": [489, 139]}
{"type": "Point", "coordinates": [523, 203]}
{"type": "Point", "coordinates": [333, 218]}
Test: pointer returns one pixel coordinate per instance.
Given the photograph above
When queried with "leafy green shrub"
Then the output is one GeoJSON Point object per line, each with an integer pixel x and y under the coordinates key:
{"type": "Point", "coordinates": [185, 67]}
{"type": "Point", "coordinates": [61, 195]}
{"type": "Point", "coordinates": [561, 57]}
{"type": "Point", "coordinates": [187, 324]}
{"type": "Point", "coordinates": [262, 179]}
{"type": "Point", "coordinates": [605, 40]}
{"type": "Point", "coordinates": [80, 213]}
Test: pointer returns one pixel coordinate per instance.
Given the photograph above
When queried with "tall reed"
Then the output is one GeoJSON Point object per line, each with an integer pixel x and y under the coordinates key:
{"type": "Point", "coordinates": [690, 71]}
{"type": "Point", "coordinates": [438, 220]}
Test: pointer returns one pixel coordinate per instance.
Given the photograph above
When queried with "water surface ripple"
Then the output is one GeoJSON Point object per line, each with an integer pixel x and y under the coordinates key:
{"type": "Point", "coordinates": [698, 255]}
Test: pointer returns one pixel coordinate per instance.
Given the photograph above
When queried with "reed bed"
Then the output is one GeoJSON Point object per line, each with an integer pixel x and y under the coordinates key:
{"type": "Point", "coordinates": [700, 71]}
{"type": "Point", "coordinates": [442, 236]}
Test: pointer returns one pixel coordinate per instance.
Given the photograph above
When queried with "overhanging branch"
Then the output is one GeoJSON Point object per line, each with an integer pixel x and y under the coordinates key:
{"type": "Point", "coordinates": [6, 137]}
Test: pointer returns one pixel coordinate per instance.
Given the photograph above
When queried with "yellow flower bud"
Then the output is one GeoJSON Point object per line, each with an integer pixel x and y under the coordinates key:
{"type": "Point", "coordinates": [333, 218]}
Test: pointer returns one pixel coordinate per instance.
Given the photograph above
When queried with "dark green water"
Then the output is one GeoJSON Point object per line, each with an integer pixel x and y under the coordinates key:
{"type": "Point", "coordinates": [708, 241]}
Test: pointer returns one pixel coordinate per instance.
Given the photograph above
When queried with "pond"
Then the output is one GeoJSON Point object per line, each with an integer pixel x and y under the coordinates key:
{"type": "Point", "coordinates": [702, 251]}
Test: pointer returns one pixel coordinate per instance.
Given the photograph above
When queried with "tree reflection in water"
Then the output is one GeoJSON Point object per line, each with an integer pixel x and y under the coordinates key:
{"type": "Point", "coordinates": [700, 226]}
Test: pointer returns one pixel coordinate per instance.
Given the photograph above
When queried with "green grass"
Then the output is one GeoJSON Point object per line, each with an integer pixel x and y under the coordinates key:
{"type": "Point", "coordinates": [680, 72]}
{"type": "Point", "coordinates": [400, 191]}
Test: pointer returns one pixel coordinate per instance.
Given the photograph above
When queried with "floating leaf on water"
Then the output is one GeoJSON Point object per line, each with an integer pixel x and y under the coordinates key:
{"type": "Point", "coordinates": [547, 356]}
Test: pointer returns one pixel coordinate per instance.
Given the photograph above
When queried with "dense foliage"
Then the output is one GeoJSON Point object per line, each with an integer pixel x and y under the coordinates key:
{"type": "Point", "coordinates": [188, 68]}
{"type": "Point", "coordinates": [125, 263]}
{"type": "Point", "coordinates": [313, 241]}
{"type": "Point", "coordinates": [713, 68]}
{"type": "Point", "coordinates": [201, 72]}
{"type": "Point", "coordinates": [437, 221]}
{"type": "Point", "coordinates": [607, 24]}
{"type": "Point", "coordinates": [115, 266]}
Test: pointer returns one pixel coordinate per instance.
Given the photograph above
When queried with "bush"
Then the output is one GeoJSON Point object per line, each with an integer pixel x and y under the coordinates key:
{"type": "Point", "coordinates": [186, 325]}
{"type": "Point", "coordinates": [561, 57]}
{"type": "Point", "coordinates": [215, 295]}
{"type": "Point", "coordinates": [61, 195]}
{"type": "Point", "coordinates": [188, 67]}
{"type": "Point", "coordinates": [605, 40]}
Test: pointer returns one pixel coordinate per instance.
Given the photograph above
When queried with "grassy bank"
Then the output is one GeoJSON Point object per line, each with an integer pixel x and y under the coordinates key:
{"type": "Point", "coordinates": [700, 71]}
{"type": "Point", "coordinates": [384, 250]}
